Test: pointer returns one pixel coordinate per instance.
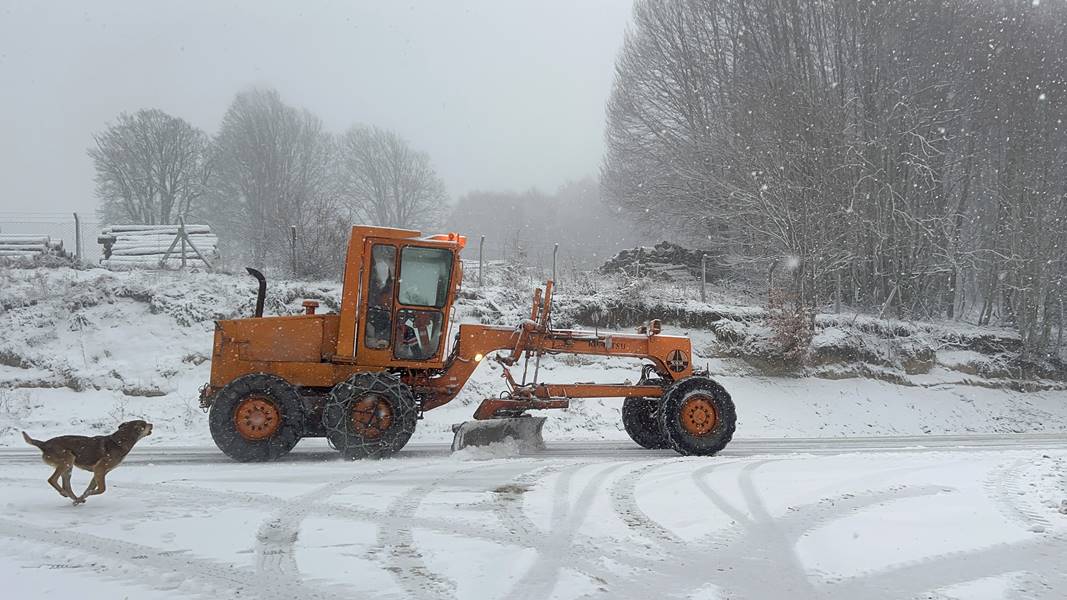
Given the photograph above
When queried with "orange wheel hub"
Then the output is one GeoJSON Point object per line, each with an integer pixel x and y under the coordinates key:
{"type": "Point", "coordinates": [372, 416]}
{"type": "Point", "coordinates": [698, 416]}
{"type": "Point", "coordinates": [257, 418]}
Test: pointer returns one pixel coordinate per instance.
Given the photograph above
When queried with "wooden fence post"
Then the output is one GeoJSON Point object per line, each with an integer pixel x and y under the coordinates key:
{"type": "Point", "coordinates": [481, 260]}
{"type": "Point", "coordinates": [77, 238]}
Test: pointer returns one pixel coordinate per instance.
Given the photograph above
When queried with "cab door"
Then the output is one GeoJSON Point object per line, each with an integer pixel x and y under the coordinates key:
{"type": "Point", "coordinates": [408, 292]}
{"type": "Point", "coordinates": [374, 335]}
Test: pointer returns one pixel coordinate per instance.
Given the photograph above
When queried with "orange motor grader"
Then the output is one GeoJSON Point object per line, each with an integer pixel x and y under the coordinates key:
{"type": "Point", "coordinates": [363, 377]}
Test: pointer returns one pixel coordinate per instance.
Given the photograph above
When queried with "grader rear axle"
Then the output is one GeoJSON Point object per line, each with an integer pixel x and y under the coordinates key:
{"type": "Point", "coordinates": [364, 376]}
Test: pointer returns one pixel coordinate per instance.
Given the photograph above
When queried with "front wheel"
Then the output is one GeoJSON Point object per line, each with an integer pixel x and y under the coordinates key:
{"type": "Point", "coordinates": [257, 418]}
{"type": "Point", "coordinates": [698, 416]}
{"type": "Point", "coordinates": [370, 415]}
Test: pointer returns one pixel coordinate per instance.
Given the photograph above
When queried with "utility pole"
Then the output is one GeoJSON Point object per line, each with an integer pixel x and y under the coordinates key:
{"type": "Point", "coordinates": [555, 249]}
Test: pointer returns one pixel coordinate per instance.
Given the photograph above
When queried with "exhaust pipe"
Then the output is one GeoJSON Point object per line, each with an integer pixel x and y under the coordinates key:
{"type": "Point", "coordinates": [262, 293]}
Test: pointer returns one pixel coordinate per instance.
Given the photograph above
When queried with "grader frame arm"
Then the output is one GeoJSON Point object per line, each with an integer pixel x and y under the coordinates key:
{"type": "Point", "coordinates": [535, 338]}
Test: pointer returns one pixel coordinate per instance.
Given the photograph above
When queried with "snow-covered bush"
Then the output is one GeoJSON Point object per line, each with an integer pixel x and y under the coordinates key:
{"type": "Point", "coordinates": [792, 326]}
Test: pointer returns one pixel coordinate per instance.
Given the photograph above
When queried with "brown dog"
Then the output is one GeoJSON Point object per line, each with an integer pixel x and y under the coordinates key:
{"type": "Point", "coordinates": [99, 454]}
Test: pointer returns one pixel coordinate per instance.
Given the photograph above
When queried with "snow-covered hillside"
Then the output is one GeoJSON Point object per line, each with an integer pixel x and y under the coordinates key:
{"type": "Point", "coordinates": [83, 350]}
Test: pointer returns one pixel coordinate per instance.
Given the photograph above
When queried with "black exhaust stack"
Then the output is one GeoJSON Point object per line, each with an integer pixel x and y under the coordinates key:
{"type": "Point", "coordinates": [262, 294]}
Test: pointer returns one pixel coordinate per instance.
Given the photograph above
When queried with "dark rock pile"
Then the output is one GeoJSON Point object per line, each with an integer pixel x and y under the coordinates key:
{"type": "Point", "coordinates": [664, 261]}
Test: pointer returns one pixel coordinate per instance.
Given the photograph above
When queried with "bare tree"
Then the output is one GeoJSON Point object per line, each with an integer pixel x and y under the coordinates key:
{"type": "Point", "coordinates": [151, 168]}
{"type": "Point", "coordinates": [383, 181]}
{"type": "Point", "coordinates": [897, 162]}
{"type": "Point", "coordinates": [273, 172]}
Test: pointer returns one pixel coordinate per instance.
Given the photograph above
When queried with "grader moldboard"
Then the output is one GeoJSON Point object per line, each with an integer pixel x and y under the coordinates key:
{"type": "Point", "coordinates": [363, 377]}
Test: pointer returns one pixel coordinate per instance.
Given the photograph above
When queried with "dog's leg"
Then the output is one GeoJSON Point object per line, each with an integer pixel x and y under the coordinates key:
{"type": "Point", "coordinates": [68, 468]}
{"type": "Point", "coordinates": [96, 486]}
{"type": "Point", "coordinates": [66, 482]}
{"type": "Point", "coordinates": [88, 491]}
{"type": "Point", "coordinates": [54, 482]}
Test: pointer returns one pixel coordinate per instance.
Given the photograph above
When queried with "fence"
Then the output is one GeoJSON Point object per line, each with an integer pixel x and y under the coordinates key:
{"type": "Point", "coordinates": [78, 231]}
{"type": "Point", "coordinates": [150, 246]}
{"type": "Point", "coordinates": [541, 259]}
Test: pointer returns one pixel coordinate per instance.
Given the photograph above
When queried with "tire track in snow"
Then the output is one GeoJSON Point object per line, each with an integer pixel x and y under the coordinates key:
{"type": "Point", "coordinates": [733, 556]}
{"type": "Point", "coordinates": [507, 505]}
{"type": "Point", "coordinates": [758, 545]}
{"type": "Point", "coordinates": [1038, 555]}
{"type": "Point", "coordinates": [623, 494]}
{"type": "Point", "coordinates": [224, 580]}
{"type": "Point", "coordinates": [276, 537]}
{"type": "Point", "coordinates": [764, 544]}
{"type": "Point", "coordinates": [396, 541]}
{"type": "Point", "coordinates": [190, 491]}
{"type": "Point", "coordinates": [540, 580]}
{"type": "Point", "coordinates": [162, 496]}
{"type": "Point", "coordinates": [667, 569]}
{"type": "Point", "coordinates": [798, 522]}
{"type": "Point", "coordinates": [1004, 485]}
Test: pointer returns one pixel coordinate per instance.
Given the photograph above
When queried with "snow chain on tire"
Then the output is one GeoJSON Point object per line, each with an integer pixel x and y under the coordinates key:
{"type": "Point", "coordinates": [370, 415]}
{"type": "Point", "coordinates": [709, 397]}
{"type": "Point", "coordinates": [640, 418]}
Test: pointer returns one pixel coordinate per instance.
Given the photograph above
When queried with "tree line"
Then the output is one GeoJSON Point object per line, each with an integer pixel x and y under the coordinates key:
{"type": "Point", "coordinates": [522, 227]}
{"type": "Point", "coordinates": [906, 158]}
{"type": "Point", "coordinates": [270, 167]}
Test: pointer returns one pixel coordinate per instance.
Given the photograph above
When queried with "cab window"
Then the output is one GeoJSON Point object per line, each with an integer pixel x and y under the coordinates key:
{"type": "Point", "coordinates": [424, 276]}
{"type": "Point", "coordinates": [379, 326]}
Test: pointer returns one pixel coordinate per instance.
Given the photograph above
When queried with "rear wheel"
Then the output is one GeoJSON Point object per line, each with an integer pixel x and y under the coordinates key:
{"type": "Point", "coordinates": [256, 418]}
{"type": "Point", "coordinates": [640, 418]}
{"type": "Point", "coordinates": [698, 416]}
{"type": "Point", "coordinates": [370, 415]}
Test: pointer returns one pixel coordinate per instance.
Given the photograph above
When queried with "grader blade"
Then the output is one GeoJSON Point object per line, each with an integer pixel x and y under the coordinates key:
{"type": "Point", "coordinates": [526, 431]}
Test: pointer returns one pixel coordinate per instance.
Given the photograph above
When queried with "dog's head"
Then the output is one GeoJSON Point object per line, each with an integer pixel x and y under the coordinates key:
{"type": "Point", "coordinates": [139, 428]}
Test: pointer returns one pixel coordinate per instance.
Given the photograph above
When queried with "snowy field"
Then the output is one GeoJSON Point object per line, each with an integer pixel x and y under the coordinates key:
{"type": "Point", "coordinates": [946, 485]}
{"type": "Point", "coordinates": [82, 351]}
{"type": "Point", "coordinates": [967, 518]}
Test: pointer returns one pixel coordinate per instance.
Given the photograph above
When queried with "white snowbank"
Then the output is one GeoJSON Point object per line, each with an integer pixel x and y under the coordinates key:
{"type": "Point", "coordinates": [82, 351]}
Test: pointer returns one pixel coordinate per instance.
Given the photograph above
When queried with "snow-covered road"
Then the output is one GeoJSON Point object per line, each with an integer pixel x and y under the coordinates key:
{"type": "Point", "coordinates": [914, 517]}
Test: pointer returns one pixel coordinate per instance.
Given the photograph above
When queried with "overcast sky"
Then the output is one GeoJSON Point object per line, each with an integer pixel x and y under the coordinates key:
{"type": "Point", "coordinates": [501, 94]}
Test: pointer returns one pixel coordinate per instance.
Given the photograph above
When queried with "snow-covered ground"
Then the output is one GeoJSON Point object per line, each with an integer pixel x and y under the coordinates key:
{"type": "Point", "coordinates": [579, 521]}
{"type": "Point", "coordinates": [803, 504]}
{"type": "Point", "coordinates": [84, 350]}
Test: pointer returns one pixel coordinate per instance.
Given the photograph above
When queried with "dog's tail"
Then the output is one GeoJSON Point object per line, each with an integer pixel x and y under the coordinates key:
{"type": "Point", "coordinates": [32, 441]}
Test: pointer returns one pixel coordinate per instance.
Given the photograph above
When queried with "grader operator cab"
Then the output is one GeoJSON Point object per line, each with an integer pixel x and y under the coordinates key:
{"type": "Point", "coordinates": [363, 377]}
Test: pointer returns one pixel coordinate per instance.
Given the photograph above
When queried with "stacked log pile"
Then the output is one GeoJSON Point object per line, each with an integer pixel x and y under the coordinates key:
{"type": "Point", "coordinates": [664, 261]}
{"type": "Point", "coordinates": [145, 246]}
{"type": "Point", "coordinates": [18, 246]}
